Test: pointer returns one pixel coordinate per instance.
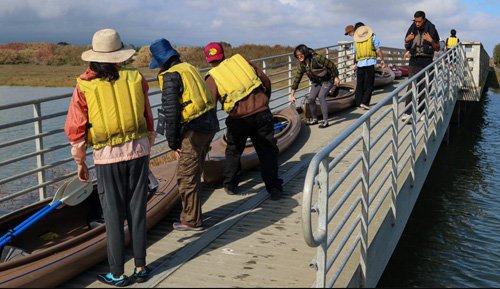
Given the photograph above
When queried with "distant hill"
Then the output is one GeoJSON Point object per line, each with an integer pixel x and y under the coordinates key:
{"type": "Point", "coordinates": [65, 54]}
{"type": "Point", "coordinates": [50, 64]}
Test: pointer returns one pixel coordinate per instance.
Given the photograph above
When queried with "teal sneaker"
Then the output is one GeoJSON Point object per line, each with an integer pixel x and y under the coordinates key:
{"type": "Point", "coordinates": [141, 276]}
{"type": "Point", "coordinates": [110, 279]}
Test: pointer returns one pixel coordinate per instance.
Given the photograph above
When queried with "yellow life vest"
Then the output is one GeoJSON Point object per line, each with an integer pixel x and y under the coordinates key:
{"type": "Point", "coordinates": [365, 50]}
{"type": "Point", "coordinates": [115, 109]}
{"type": "Point", "coordinates": [452, 41]}
{"type": "Point", "coordinates": [235, 79]}
{"type": "Point", "coordinates": [196, 98]}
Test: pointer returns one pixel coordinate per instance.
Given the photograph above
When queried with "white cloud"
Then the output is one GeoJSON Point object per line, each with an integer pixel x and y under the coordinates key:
{"type": "Point", "coordinates": [217, 23]}
{"type": "Point", "coordinates": [316, 23]}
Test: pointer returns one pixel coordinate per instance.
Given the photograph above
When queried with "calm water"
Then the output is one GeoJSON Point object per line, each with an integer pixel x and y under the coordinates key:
{"type": "Point", "coordinates": [452, 237]}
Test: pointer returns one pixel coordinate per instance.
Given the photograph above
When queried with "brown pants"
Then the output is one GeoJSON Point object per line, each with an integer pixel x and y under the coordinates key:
{"type": "Point", "coordinates": [194, 148]}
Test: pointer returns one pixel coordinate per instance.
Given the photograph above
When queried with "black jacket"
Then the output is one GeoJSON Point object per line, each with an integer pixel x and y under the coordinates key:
{"type": "Point", "coordinates": [429, 28]}
{"type": "Point", "coordinates": [173, 88]}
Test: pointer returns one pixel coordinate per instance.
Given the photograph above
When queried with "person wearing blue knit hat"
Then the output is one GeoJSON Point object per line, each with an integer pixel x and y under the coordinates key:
{"type": "Point", "coordinates": [188, 120]}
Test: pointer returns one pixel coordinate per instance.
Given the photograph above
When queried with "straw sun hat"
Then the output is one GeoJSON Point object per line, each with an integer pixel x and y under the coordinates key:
{"type": "Point", "coordinates": [362, 34]}
{"type": "Point", "coordinates": [108, 47]}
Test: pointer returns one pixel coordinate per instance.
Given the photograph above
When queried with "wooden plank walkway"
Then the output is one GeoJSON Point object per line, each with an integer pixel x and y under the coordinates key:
{"type": "Point", "coordinates": [251, 241]}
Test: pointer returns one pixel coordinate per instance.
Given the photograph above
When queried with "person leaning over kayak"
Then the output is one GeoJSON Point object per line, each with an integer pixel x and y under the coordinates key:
{"type": "Point", "coordinates": [246, 102]}
{"type": "Point", "coordinates": [322, 73]}
{"type": "Point", "coordinates": [188, 120]}
{"type": "Point", "coordinates": [110, 111]}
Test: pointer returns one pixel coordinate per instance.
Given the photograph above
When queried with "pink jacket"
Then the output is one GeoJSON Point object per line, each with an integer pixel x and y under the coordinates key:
{"type": "Point", "coordinates": [77, 120]}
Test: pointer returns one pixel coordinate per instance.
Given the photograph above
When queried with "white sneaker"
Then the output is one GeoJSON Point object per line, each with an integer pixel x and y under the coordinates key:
{"type": "Point", "coordinates": [365, 107]}
{"type": "Point", "coordinates": [406, 117]}
{"type": "Point", "coordinates": [422, 117]}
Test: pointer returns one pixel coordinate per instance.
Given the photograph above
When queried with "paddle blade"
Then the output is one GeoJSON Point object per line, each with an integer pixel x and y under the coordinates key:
{"type": "Point", "coordinates": [75, 192]}
{"type": "Point", "coordinates": [59, 194]}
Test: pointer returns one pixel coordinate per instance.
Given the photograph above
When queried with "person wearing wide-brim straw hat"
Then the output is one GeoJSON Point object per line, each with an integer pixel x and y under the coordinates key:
{"type": "Point", "coordinates": [188, 119]}
{"type": "Point", "coordinates": [100, 116]}
{"type": "Point", "coordinates": [107, 47]}
{"type": "Point", "coordinates": [366, 47]}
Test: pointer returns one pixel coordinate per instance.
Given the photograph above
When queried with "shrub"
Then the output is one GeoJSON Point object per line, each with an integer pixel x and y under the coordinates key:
{"type": "Point", "coordinates": [143, 57]}
{"type": "Point", "coordinates": [65, 54]}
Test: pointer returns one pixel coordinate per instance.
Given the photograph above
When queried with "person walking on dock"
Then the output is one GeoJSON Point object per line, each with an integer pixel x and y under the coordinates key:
{"type": "Point", "coordinates": [188, 120]}
{"type": "Point", "coordinates": [452, 40]}
{"type": "Point", "coordinates": [101, 115]}
{"type": "Point", "coordinates": [366, 47]}
{"type": "Point", "coordinates": [421, 41]}
{"type": "Point", "coordinates": [246, 102]}
{"type": "Point", "coordinates": [323, 75]}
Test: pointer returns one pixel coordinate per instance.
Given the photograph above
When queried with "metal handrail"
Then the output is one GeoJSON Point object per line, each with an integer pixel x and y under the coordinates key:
{"type": "Point", "coordinates": [49, 140]}
{"type": "Point", "coordinates": [388, 145]}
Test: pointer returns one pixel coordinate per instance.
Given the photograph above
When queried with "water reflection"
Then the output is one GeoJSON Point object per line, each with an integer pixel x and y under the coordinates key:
{"type": "Point", "coordinates": [451, 237]}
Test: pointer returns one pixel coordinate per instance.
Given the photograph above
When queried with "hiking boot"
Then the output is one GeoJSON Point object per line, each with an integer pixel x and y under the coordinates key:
{"type": "Point", "coordinates": [141, 276]}
{"type": "Point", "coordinates": [110, 279]}
{"type": "Point", "coordinates": [181, 227]}
{"type": "Point", "coordinates": [312, 122]}
{"type": "Point", "coordinates": [230, 189]}
{"type": "Point", "coordinates": [275, 194]}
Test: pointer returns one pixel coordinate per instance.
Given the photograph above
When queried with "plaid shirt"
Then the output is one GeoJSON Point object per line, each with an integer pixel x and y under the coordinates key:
{"type": "Point", "coordinates": [323, 61]}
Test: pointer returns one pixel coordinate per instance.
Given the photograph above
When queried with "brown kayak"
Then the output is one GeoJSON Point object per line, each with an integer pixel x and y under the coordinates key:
{"type": "Point", "coordinates": [383, 76]}
{"type": "Point", "coordinates": [287, 128]}
{"type": "Point", "coordinates": [61, 245]}
{"type": "Point", "coordinates": [340, 99]}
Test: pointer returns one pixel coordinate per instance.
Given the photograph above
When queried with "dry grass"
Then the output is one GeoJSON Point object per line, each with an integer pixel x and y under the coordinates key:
{"type": "Point", "coordinates": [47, 75]}
{"type": "Point", "coordinates": [19, 67]}
{"type": "Point", "coordinates": [166, 158]}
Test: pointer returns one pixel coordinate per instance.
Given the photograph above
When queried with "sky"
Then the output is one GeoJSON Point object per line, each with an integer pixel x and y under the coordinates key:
{"type": "Point", "coordinates": [316, 23]}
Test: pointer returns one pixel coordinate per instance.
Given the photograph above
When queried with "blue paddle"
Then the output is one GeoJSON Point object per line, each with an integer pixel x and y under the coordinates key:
{"type": "Point", "coordinates": [57, 195]}
{"type": "Point", "coordinates": [279, 125]}
{"type": "Point", "coordinates": [71, 193]}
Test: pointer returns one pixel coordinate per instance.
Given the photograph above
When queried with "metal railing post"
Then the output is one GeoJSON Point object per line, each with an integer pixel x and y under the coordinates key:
{"type": "Point", "coordinates": [413, 139]}
{"type": "Point", "coordinates": [289, 74]}
{"type": "Point", "coordinates": [322, 222]}
{"type": "Point", "coordinates": [37, 113]}
{"type": "Point", "coordinates": [395, 156]}
{"type": "Point", "coordinates": [365, 197]}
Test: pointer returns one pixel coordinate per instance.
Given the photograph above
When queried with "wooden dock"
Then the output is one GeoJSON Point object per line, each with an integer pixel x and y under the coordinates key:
{"type": "Point", "coordinates": [250, 240]}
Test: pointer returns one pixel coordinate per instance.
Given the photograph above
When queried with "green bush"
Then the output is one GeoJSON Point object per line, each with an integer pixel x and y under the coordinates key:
{"type": "Point", "coordinates": [496, 55]}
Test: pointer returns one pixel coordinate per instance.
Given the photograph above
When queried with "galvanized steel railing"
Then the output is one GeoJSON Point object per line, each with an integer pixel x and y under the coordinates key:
{"type": "Point", "coordinates": [357, 176]}
{"type": "Point", "coordinates": [42, 139]}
